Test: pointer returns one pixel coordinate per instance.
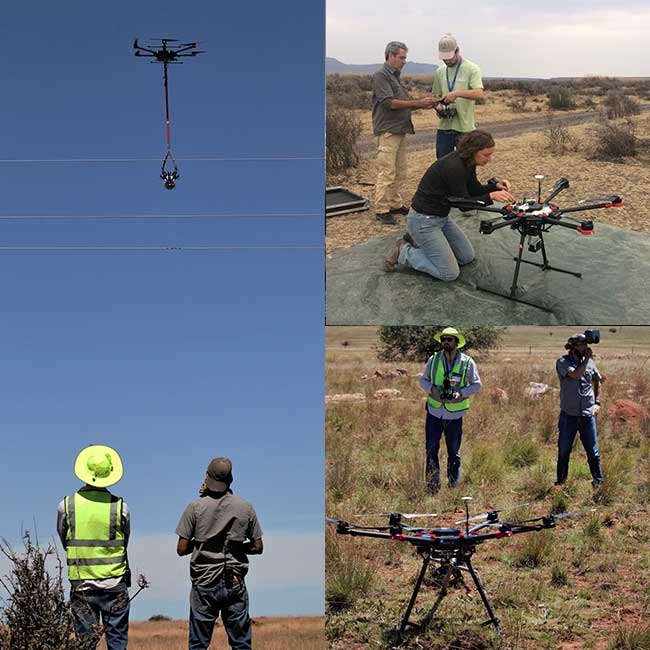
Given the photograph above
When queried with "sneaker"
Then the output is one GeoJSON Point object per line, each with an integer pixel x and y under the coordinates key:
{"type": "Point", "coordinates": [390, 259]}
{"type": "Point", "coordinates": [596, 483]}
{"type": "Point", "coordinates": [402, 210]}
{"type": "Point", "coordinates": [409, 240]}
{"type": "Point", "coordinates": [386, 217]}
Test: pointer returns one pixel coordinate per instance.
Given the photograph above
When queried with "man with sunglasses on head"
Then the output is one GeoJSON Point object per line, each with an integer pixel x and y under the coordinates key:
{"type": "Point", "coordinates": [449, 378]}
{"type": "Point", "coordinates": [459, 84]}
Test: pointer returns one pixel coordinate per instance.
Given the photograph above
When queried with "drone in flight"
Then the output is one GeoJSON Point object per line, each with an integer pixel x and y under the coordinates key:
{"type": "Point", "coordinates": [451, 549]}
{"type": "Point", "coordinates": [532, 218]}
{"type": "Point", "coordinates": [167, 55]}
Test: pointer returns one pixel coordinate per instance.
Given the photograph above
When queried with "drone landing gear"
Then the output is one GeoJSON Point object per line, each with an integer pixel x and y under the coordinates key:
{"type": "Point", "coordinates": [545, 266]}
{"type": "Point", "coordinates": [450, 570]}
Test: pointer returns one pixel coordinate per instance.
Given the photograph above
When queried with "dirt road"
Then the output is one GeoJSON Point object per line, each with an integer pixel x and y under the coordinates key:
{"type": "Point", "coordinates": [425, 139]}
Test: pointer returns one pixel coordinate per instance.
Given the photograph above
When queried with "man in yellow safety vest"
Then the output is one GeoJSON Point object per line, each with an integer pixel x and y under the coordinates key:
{"type": "Point", "coordinates": [449, 378]}
{"type": "Point", "coordinates": [94, 527]}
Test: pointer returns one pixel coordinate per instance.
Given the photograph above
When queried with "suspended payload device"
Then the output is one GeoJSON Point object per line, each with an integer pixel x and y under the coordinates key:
{"type": "Point", "coordinates": [167, 54]}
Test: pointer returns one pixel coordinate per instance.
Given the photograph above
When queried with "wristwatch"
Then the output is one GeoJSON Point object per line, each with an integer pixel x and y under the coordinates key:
{"type": "Point", "coordinates": [597, 402]}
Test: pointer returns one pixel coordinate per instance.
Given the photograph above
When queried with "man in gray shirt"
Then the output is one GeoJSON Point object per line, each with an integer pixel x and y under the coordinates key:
{"type": "Point", "coordinates": [579, 405]}
{"type": "Point", "coordinates": [391, 121]}
{"type": "Point", "coordinates": [220, 530]}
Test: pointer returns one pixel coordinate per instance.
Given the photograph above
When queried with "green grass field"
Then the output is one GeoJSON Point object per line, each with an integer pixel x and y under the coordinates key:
{"type": "Point", "coordinates": [584, 584]}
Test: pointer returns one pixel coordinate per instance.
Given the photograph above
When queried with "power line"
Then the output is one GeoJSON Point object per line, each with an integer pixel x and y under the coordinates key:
{"type": "Point", "coordinates": [224, 215]}
{"type": "Point", "coordinates": [159, 248]}
{"type": "Point", "coordinates": [190, 158]}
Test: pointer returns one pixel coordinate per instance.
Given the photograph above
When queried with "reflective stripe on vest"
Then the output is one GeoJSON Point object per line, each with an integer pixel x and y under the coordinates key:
{"type": "Point", "coordinates": [95, 539]}
{"type": "Point", "coordinates": [437, 377]}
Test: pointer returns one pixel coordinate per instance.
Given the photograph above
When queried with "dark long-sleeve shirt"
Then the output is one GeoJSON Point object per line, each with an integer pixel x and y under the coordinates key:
{"type": "Point", "coordinates": [449, 176]}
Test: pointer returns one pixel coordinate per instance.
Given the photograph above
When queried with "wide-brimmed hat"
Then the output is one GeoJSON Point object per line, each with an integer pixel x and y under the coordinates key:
{"type": "Point", "coordinates": [98, 465]}
{"type": "Point", "coordinates": [219, 475]}
{"type": "Point", "coordinates": [450, 331]}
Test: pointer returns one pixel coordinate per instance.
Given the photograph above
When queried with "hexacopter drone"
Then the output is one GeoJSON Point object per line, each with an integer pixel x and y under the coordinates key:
{"type": "Point", "coordinates": [532, 218]}
{"type": "Point", "coordinates": [450, 548]}
{"type": "Point", "coordinates": [167, 54]}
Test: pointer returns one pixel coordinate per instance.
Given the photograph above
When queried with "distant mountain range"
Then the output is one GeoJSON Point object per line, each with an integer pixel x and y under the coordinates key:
{"type": "Point", "coordinates": [334, 65]}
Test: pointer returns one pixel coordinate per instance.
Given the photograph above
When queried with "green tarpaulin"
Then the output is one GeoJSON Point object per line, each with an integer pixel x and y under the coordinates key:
{"type": "Point", "coordinates": [614, 288]}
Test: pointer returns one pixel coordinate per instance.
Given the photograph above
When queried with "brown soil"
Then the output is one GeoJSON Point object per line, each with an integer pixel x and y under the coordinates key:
{"type": "Point", "coordinates": [518, 159]}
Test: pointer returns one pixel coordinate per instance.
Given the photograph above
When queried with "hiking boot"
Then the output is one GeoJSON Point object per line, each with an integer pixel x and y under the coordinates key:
{"type": "Point", "coordinates": [403, 210]}
{"type": "Point", "coordinates": [409, 240]}
{"type": "Point", "coordinates": [390, 259]}
{"type": "Point", "coordinates": [386, 217]}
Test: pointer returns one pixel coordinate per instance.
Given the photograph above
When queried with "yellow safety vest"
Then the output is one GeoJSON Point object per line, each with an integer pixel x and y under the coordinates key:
{"type": "Point", "coordinates": [457, 380]}
{"type": "Point", "coordinates": [95, 539]}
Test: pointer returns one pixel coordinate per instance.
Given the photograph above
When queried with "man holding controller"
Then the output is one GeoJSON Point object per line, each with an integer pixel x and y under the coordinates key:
{"type": "Point", "coordinates": [579, 404]}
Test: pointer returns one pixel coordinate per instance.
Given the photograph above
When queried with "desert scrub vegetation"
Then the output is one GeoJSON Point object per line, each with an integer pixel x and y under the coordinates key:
{"type": "Point", "coordinates": [561, 99]}
{"type": "Point", "coordinates": [36, 616]}
{"type": "Point", "coordinates": [342, 128]}
{"type": "Point", "coordinates": [578, 580]}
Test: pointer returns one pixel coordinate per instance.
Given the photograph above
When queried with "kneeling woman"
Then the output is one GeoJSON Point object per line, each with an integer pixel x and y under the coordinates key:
{"type": "Point", "coordinates": [433, 243]}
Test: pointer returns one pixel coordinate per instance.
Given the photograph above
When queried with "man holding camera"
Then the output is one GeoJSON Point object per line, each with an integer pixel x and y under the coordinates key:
{"type": "Point", "coordinates": [579, 404]}
{"type": "Point", "coordinates": [449, 378]}
{"type": "Point", "coordinates": [459, 84]}
{"type": "Point", "coordinates": [391, 121]}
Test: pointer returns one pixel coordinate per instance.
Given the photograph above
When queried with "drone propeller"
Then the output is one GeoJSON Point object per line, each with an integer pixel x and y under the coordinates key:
{"type": "Point", "coordinates": [491, 514]}
{"type": "Point", "coordinates": [402, 515]}
{"type": "Point", "coordinates": [613, 198]}
{"type": "Point", "coordinates": [559, 515]}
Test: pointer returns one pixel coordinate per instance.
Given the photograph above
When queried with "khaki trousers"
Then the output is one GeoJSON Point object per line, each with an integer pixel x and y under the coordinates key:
{"type": "Point", "coordinates": [391, 172]}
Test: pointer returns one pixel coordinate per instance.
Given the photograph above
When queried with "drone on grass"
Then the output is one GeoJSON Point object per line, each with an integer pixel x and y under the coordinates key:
{"type": "Point", "coordinates": [451, 549]}
{"type": "Point", "coordinates": [167, 55]}
{"type": "Point", "coordinates": [532, 218]}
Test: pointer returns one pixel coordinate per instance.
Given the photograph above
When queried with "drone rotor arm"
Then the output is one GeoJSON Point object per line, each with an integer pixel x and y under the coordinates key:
{"type": "Point", "coordinates": [562, 184]}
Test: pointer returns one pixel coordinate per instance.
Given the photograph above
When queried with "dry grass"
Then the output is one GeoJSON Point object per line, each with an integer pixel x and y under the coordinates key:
{"type": "Point", "coordinates": [572, 587]}
{"type": "Point", "coordinates": [518, 159]}
{"type": "Point", "coordinates": [299, 633]}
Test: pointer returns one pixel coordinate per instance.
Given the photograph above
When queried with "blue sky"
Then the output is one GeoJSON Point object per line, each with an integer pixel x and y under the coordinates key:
{"type": "Point", "coordinates": [507, 38]}
{"type": "Point", "coordinates": [176, 356]}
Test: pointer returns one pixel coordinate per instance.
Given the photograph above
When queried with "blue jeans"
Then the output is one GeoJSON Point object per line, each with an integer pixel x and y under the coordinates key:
{"type": "Point", "coordinates": [92, 610]}
{"type": "Point", "coordinates": [434, 428]}
{"type": "Point", "coordinates": [207, 603]}
{"type": "Point", "coordinates": [442, 247]}
{"type": "Point", "coordinates": [568, 426]}
{"type": "Point", "coordinates": [446, 141]}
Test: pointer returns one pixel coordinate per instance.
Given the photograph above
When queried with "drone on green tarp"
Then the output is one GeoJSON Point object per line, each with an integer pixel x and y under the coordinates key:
{"type": "Point", "coordinates": [532, 218]}
{"type": "Point", "coordinates": [451, 549]}
{"type": "Point", "coordinates": [167, 54]}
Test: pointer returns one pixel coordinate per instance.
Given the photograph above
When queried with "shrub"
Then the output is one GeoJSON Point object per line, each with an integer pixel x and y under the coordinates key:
{"type": "Point", "coordinates": [416, 343]}
{"type": "Point", "coordinates": [558, 138]}
{"type": "Point", "coordinates": [561, 99]}
{"type": "Point", "coordinates": [342, 128]}
{"type": "Point", "coordinates": [159, 618]}
{"type": "Point", "coordinates": [518, 105]}
{"type": "Point", "coordinates": [618, 105]}
{"type": "Point", "coordinates": [615, 142]}
{"type": "Point", "coordinates": [37, 615]}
